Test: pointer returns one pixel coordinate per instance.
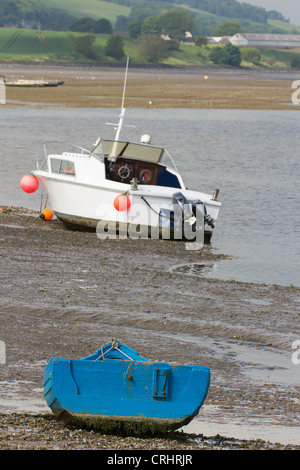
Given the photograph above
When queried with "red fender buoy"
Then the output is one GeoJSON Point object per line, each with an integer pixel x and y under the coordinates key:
{"type": "Point", "coordinates": [29, 183]}
{"type": "Point", "coordinates": [122, 203]}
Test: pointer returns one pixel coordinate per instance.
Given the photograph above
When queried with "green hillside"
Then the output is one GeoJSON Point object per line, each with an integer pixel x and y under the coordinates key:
{"type": "Point", "coordinates": [31, 45]}
{"type": "Point", "coordinates": [56, 46]}
{"type": "Point", "coordinates": [287, 27]}
{"type": "Point", "coordinates": [205, 20]}
{"type": "Point", "coordinates": [22, 44]}
{"type": "Point", "coordinates": [94, 9]}
{"type": "Point", "coordinates": [207, 15]}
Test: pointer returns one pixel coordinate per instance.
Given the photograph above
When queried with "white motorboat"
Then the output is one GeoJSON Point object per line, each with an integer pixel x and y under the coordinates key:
{"type": "Point", "coordinates": [34, 83]}
{"type": "Point", "coordinates": [123, 188]}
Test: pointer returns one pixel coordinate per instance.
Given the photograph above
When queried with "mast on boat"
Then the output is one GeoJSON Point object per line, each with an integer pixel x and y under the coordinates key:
{"type": "Point", "coordinates": [122, 114]}
{"type": "Point", "coordinates": [121, 118]}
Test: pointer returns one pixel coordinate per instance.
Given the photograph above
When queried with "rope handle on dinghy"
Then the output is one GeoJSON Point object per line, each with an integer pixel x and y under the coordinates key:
{"type": "Point", "coordinates": [114, 345]}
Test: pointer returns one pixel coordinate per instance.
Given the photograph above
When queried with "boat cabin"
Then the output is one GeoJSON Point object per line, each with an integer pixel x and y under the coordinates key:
{"type": "Point", "coordinates": [146, 164]}
{"type": "Point", "coordinates": [124, 162]}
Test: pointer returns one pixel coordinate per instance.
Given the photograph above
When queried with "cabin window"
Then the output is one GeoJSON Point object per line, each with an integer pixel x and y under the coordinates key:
{"type": "Point", "coordinates": [63, 167]}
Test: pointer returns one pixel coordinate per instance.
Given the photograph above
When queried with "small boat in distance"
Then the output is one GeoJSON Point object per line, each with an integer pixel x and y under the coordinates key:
{"type": "Point", "coordinates": [34, 83]}
{"type": "Point", "coordinates": [118, 390]}
{"type": "Point", "coordinates": [122, 187]}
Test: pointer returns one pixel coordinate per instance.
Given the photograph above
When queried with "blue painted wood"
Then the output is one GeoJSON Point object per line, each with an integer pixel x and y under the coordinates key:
{"type": "Point", "coordinates": [118, 388]}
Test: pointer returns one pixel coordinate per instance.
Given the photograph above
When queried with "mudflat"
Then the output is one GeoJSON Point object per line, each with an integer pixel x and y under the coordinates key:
{"type": "Point", "coordinates": [164, 87]}
{"type": "Point", "coordinates": [66, 293]}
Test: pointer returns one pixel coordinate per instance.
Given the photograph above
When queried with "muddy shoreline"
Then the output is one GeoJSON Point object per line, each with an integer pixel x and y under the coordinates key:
{"type": "Point", "coordinates": [66, 293]}
{"type": "Point", "coordinates": [29, 432]}
{"type": "Point", "coordinates": [158, 87]}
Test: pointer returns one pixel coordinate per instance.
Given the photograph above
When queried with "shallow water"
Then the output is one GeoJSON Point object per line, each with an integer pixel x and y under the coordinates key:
{"type": "Point", "coordinates": [250, 156]}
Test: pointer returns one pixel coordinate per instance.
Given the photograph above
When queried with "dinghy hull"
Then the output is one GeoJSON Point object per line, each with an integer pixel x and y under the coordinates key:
{"type": "Point", "coordinates": [136, 396]}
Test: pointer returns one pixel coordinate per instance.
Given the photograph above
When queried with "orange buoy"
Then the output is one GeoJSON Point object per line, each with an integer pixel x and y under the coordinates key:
{"type": "Point", "coordinates": [122, 203]}
{"type": "Point", "coordinates": [46, 214]}
{"type": "Point", "coordinates": [29, 183]}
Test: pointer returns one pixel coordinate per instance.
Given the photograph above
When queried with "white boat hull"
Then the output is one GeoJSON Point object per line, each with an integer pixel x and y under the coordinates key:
{"type": "Point", "coordinates": [90, 206]}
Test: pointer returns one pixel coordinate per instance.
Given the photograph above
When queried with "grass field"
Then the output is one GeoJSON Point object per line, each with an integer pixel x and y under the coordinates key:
{"type": "Point", "coordinates": [54, 46]}
{"type": "Point", "coordinates": [94, 9]}
{"type": "Point", "coordinates": [24, 44]}
{"type": "Point", "coordinates": [288, 27]}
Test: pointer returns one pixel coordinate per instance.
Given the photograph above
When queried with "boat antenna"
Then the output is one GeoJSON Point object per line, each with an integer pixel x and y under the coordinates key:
{"type": "Point", "coordinates": [121, 118]}
{"type": "Point", "coordinates": [122, 114]}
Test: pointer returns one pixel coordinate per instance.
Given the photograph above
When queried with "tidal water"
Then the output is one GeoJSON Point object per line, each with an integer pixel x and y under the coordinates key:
{"type": "Point", "coordinates": [252, 157]}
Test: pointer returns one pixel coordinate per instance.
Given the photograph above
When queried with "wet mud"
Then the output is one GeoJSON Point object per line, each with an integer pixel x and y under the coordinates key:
{"type": "Point", "coordinates": [161, 87]}
{"type": "Point", "coordinates": [66, 293]}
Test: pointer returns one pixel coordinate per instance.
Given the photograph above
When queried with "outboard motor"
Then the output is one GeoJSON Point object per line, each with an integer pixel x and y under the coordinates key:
{"type": "Point", "coordinates": [181, 214]}
{"type": "Point", "coordinates": [207, 218]}
{"type": "Point", "coordinates": [186, 207]}
{"type": "Point", "coordinates": [184, 214]}
{"type": "Point", "coordinates": [179, 198]}
{"type": "Point", "coordinates": [189, 208]}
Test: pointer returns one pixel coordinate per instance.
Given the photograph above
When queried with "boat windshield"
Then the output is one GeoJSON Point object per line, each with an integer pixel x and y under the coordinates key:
{"type": "Point", "coordinates": [168, 161]}
{"type": "Point", "coordinates": [141, 152]}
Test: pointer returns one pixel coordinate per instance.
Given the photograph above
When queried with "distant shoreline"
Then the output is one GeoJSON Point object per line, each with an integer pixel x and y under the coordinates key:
{"type": "Point", "coordinates": [214, 70]}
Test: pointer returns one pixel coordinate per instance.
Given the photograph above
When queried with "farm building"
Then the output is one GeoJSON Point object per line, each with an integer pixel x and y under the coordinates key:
{"type": "Point", "coordinates": [273, 41]}
{"type": "Point", "coordinates": [218, 40]}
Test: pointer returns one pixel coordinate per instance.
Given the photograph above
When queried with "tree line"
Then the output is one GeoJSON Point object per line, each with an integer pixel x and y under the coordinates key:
{"type": "Point", "coordinates": [225, 8]}
{"type": "Point", "coordinates": [35, 14]}
{"type": "Point", "coordinates": [18, 12]}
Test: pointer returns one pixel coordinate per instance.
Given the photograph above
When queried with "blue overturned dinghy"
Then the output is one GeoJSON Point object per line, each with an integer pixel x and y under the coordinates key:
{"type": "Point", "coordinates": [116, 389]}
